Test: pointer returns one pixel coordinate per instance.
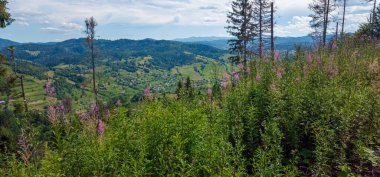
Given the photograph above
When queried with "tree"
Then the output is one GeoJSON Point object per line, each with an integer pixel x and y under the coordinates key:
{"type": "Point", "coordinates": [272, 29]}
{"type": "Point", "coordinates": [90, 31]}
{"type": "Point", "coordinates": [372, 19]}
{"type": "Point", "coordinates": [241, 26]}
{"type": "Point", "coordinates": [372, 27]}
{"type": "Point", "coordinates": [5, 16]}
{"type": "Point", "coordinates": [321, 17]}
{"type": "Point", "coordinates": [343, 18]}
{"type": "Point", "coordinates": [263, 14]}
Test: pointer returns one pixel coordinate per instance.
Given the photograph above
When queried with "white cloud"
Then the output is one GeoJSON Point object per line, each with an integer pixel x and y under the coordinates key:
{"type": "Point", "coordinates": [67, 16]}
{"type": "Point", "coordinates": [299, 25]}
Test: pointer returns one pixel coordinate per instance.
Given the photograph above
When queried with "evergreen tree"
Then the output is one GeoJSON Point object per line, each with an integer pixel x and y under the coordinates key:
{"type": "Point", "coordinates": [5, 16]}
{"type": "Point", "coordinates": [189, 90]}
{"type": "Point", "coordinates": [263, 14]}
{"type": "Point", "coordinates": [321, 17]}
{"type": "Point", "coordinates": [241, 26]}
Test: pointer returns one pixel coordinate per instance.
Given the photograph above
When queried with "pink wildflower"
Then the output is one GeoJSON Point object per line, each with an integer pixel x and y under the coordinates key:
{"type": "Point", "coordinates": [276, 55]}
{"type": "Point", "coordinates": [101, 127]}
{"type": "Point", "coordinates": [310, 57]}
{"type": "Point", "coordinates": [258, 77]}
{"type": "Point", "coordinates": [241, 67]}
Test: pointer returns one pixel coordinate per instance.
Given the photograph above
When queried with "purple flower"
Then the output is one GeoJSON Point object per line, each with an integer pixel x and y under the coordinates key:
{"type": "Point", "coordinates": [101, 127]}
{"type": "Point", "coordinates": [224, 85]}
{"type": "Point", "coordinates": [49, 90]}
{"type": "Point", "coordinates": [258, 77]}
{"type": "Point", "coordinates": [310, 57]}
{"type": "Point", "coordinates": [279, 73]}
{"type": "Point", "coordinates": [236, 76]}
{"type": "Point", "coordinates": [147, 91]}
{"type": "Point", "coordinates": [83, 116]}
{"type": "Point", "coordinates": [108, 113]}
{"type": "Point", "coordinates": [61, 107]}
{"type": "Point", "coordinates": [240, 66]}
{"type": "Point", "coordinates": [319, 60]}
{"type": "Point", "coordinates": [276, 55]}
{"type": "Point", "coordinates": [334, 45]}
{"type": "Point", "coordinates": [226, 77]}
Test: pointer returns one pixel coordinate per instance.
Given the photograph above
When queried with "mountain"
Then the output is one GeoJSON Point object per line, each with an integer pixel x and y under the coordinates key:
{"type": "Point", "coordinates": [7, 43]}
{"type": "Point", "coordinates": [124, 68]}
{"type": "Point", "coordinates": [281, 43]}
{"type": "Point", "coordinates": [165, 54]}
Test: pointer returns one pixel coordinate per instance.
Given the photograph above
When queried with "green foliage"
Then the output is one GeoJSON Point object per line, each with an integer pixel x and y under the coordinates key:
{"type": "Point", "coordinates": [318, 117]}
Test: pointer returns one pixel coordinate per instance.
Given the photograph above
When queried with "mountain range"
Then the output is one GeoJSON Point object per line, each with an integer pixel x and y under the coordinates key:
{"type": "Point", "coordinates": [124, 67]}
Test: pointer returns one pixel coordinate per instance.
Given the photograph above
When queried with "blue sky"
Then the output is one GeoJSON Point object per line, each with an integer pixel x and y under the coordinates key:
{"type": "Point", "coordinates": [58, 20]}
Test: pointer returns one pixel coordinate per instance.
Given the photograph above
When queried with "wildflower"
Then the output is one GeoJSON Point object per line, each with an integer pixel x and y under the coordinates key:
{"type": "Point", "coordinates": [49, 90]}
{"type": "Point", "coordinates": [61, 108]}
{"type": "Point", "coordinates": [25, 148]}
{"type": "Point", "coordinates": [226, 77]}
{"type": "Point", "coordinates": [108, 113]}
{"type": "Point", "coordinates": [52, 116]}
{"type": "Point", "coordinates": [241, 67]}
{"type": "Point", "coordinates": [279, 73]}
{"type": "Point", "coordinates": [101, 127]}
{"type": "Point", "coordinates": [94, 109]}
{"type": "Point", "coordinates": [258, 77]}
{"type": "Point", "coordinates": [310, 57]}
{"type": "Point", "coordinates": [319, 60]}
{"type": "Point", "coordinates": [224, 85]}
{"type": "Point", "coordinates": [276, 55]}
{"type": "Point", "coordinates": [83, 116]}
{"type": "Point", "coordinates": [147, 91]}
{"type": "Point", "coordinates": [334, 45]}
{"type": "Point", "coordinates": [236, 76]}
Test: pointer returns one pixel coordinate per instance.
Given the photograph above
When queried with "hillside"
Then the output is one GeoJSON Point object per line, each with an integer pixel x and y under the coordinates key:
{"type": "Point", "coordinates": [124, 68]}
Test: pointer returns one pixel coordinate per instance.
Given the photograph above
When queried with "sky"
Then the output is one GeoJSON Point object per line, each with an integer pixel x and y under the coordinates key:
{"type": "Point", "coordinates": [58, 20]}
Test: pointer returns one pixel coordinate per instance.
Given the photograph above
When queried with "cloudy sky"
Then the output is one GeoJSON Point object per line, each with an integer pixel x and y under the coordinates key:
{"type": "Point", "coordinates": [57, 20]}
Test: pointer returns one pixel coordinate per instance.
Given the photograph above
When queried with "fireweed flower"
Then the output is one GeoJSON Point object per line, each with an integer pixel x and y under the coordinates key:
{"type": "Point", "coordinates": [83, 116]}
{"type": "Point", "coordinates": [236, 76]}
{"type": "Point", "coordinates": [108, 113]}
{"type": "Point", "coordinates": [258, 77]}
{"type": "Point", "coordinates": [276, 55]}
{"type": "Point", "coordinates": [279, 73]}
{"type": "Point", "coordinates": [334, 45]}
{"type": "Point", "coordinates": [101, 127]}
{"type": "Point", "coordinates": [147, 91]}
{"type": "Point", "coordinates": [226, 77]}
{"type": "Point", "coordinates": [49, 90]}
{"type": "Point", "coordinates": [241, 67]}
{"type": "Point", "coordinates": [61, 108]}
{"type": "Point", "coordinates": [309, 57]}
{"type": "Point", "coordinates": [319, 60]}
{"type": "Point", "coordinates": [52, 116]}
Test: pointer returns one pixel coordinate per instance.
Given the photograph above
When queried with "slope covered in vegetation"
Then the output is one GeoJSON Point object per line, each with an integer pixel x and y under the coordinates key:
{"type": "Point", "coordinates": [317, 114]}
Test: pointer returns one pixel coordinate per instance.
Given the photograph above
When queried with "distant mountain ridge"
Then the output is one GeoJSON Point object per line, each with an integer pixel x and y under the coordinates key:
{"type": "Point", "coordinates": [281, 43]}
{"type": "Point", "coordinates": [165, 54]}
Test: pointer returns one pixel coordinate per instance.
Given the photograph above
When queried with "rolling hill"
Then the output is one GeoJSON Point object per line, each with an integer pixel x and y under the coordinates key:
{"type": "Point", "coordinates": [124, 68]}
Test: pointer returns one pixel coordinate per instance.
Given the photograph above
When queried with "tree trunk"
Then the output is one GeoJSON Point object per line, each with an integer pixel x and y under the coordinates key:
{"type": "Point", "coordinates": [373, 18]}
{"type": "Point", "coordinates": [326, 22]}
{"type": "Point", "coordinates": [343, 20]}
{"type": "Point", "coordinates": [261, 29]}
{"type": "Point", "coordinates": [336, 32]}
{"type": "Point", "coordinates": [23, 93]}
{"type": "Point", "coordinates": [93, 71]}
{"type": "Point", "coordinates": [272, 29]}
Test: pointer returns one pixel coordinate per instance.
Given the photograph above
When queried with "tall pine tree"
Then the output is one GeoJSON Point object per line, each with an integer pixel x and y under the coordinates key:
{"type": "Point", "coordinates": [241, 27]}
{"type": "Point", "coordinates": [321, 17]}
{"type": "Point", "coordinates": [262, 16]}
